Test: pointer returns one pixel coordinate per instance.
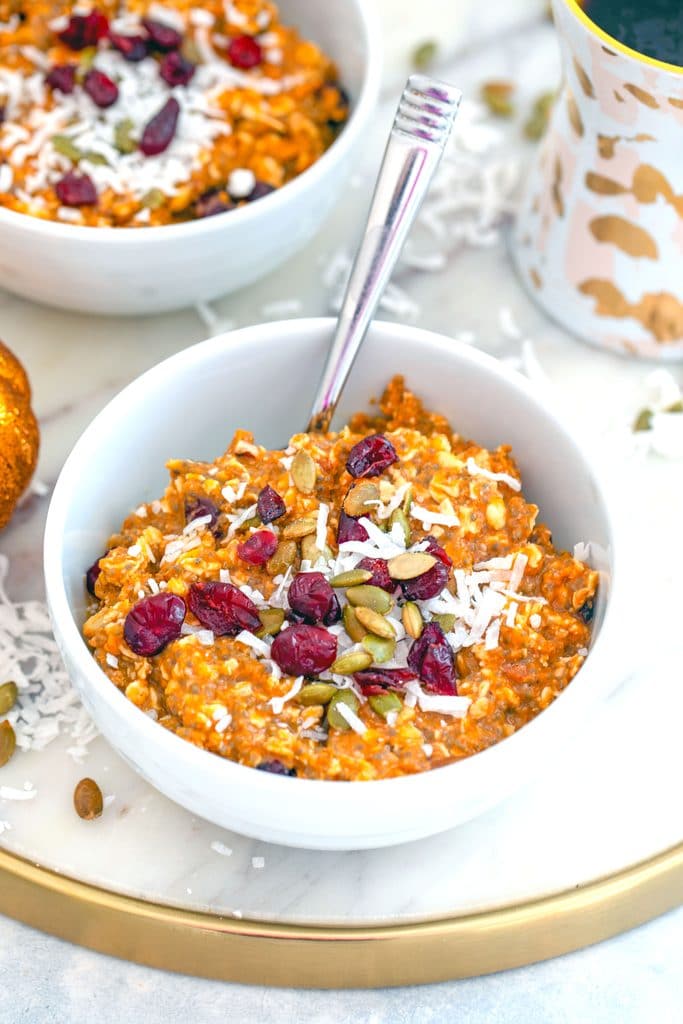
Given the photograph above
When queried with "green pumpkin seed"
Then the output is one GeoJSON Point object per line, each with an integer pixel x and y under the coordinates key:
{"type": "Point", "coordinates": [8, 742]}
{"type": "Point", "coordinates": [398, 517]}
{"type": "Point", "coordinates": [384, 703]}
{"type": "Point", "coordinates": [410, 565]}
{"type": "Point", "coordinates": [311, 551]}
{"type": "Point", "coordinates": [351, 624]}
{"type": "Point", "coordinates": [66, 147]}
{"type": "Point", "coordinates": [424, 55]}
{"type": "Point", "coordinates": [153, 199]}
{"type": "Point", "coordinates": [408, 501]}
{"type": "Point", "coordinates": [446, 621]}
{"type": "Point", "coordinates": [300, 528]}
{"type": "Point", "coordinates": [352, 661]}
{"type": "Point", "coordinates": [88, 799]}
{"type": "Point", "coordinates": [381, 649]}
{"type": "Point", "coordinates": [285, 554]}
{"type": "Point", "coordinates": [190, 50]}
{"type": "Point", "coordinates": [123, 136]}
{"type": "Point", "coordinates": [8, 697]}
{"type": "Point", "coordinates": [95, 158]}
{"type": "Point", "coordinates": [86, 59]}
{"type": "Point", "coordinates": [376, 623]}
{"type": "Point", "coordinates": [352, 578]}
{"type": "Point", "coordinates": [252, 523]}
{"type": "Point", "coordinates": [304, 472]}
{"type": "Point", "coordinates": [334, 719]}
{"type": "Point", "coordinates": [413, 623]}
{"type": "Point", "coordinates": [535, 127]}
{"type": "Point", "coordinates": [643, 420]}
{"type": "Point", "coordinates": [367, 596]}
{"type": "Point", "coordinates": [271, 621]}
{"type": "Point", "coordinates": [358, 501]}
{"type": "Point", "coordinates": [316, 693]}
{"type": "Point", "coordinates": [498, 98]}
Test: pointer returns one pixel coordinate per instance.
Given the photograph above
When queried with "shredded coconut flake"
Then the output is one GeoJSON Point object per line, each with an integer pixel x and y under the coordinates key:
{"type": "Point", "coordinates": [218, 847]}
{"type": "Point", "coordinates": [474, 469]}
{"type": "Point", "coordinates": [257, 645]}
{"type": "Point", "coordinates": [350, 716]}
{"type": "Point", "coordinates": [278, 703]}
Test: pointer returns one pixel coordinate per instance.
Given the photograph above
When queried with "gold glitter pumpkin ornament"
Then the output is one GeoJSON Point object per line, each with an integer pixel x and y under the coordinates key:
{"type": "Point", "coordinates": [19, 437]}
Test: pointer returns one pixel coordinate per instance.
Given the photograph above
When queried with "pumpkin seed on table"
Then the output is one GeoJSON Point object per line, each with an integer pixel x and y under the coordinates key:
{"type": "Point", "coordinates": [8, 697]}
{"type": "Point", "coordinates": [399, 518]}
{"type": "Point", "coordinates": [358, 501]}
{"type": "Point", "coordinates": [88, 800]}
{"type": "Point", "coordinates": [300, 528]}
{"type": "Point", "coordinates": [352, 661]}
{"type": "Point", "coordinates": [304, 472]}
{"type": "Point", "coordinates": [271, 621]}
{"type": "Point", "coordinates": [413, 623]}
{"type": "Point", "coordinates": [497, 95]}
{"type": "Point", "coordinates": [376, 623]}
{"type": "Point", "coordinates": [352, 578]}
{"type": "Point", "coordinates": [286, 554]}
{"type": "Point", "coordinates": [316, 693]}
{"type": "Point", "coordinates": [8, 742]}
{"type": "Point", "coordinates": [351, 624]}
{"type": "Point", "coordinates": [336, 720]}
{"type": "Point", "coordinates": [368, 596]}
{"type": "Point", "coordinates": [384, 703]}
{"type": "Point", "coordinates": [381, 648]}
{"type": "Point", "coordinates": [410, 565]}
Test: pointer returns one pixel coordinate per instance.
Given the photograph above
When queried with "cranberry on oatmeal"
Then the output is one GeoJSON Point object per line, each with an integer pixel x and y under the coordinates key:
{"type": "Point", "coordinates": [362, 605]}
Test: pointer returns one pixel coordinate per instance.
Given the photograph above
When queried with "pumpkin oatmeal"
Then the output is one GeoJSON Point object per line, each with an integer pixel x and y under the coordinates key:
{"type": "Point", "coordinates": [131, 114]}
{"type": "Point", "coordinates": [366, 604]}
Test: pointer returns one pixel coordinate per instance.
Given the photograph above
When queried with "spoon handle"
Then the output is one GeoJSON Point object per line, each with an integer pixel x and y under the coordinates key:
{"type": "Point", "coordinates": [421, 128]}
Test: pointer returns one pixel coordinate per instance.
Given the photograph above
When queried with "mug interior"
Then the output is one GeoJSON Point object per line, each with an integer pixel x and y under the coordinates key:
{"type": "Point", "coordinates": [582, 15]}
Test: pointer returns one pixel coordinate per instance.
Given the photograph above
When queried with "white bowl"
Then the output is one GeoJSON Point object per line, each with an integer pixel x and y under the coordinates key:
{"type": "Point", "coordinates": [262, 378]}
{"type": "Point", "coordinates": [150, 270]}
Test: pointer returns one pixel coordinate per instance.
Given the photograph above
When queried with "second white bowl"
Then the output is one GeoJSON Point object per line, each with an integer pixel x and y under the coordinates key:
{"type": "Point", "coordinates": [262, 378]}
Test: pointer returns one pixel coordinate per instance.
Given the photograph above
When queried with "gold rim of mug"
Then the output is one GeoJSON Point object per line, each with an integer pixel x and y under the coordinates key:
{"type": "Point", "coordinates": [577, 10]}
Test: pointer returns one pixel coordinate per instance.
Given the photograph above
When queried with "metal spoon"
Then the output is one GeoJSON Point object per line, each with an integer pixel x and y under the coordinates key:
{"type": "Point", "coordinates": [421, 128]}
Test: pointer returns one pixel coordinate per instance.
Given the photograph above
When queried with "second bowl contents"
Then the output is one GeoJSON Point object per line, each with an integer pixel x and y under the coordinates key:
{"type": "Point", "coordinates": [365, 604]}
{"type": "Point", "coordinates": [136, 114]}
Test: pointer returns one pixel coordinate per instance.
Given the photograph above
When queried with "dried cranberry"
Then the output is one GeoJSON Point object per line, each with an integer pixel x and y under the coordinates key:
{"type": "Point", "coordinates": [350, 529]}
{"type": "Point", "coordinates": [270, 505]}
{"type": "Point", "coordinates": [258, 548]}
{"type": "Point", "coordinates": [84, 30]}
{"type": "Point", "coordinates": [244, 52]}
{"type": "Point", "coordinates": [162, 36]}
{"type": "Point", "coordinates": [311, 596]}
{"type": "Point", "coordinates": [335, 612]}
{"type": "Point", "coordinates": [199, 506]}
{"type": "Point", "coordinates": [431, 659]}
{"type": "Point", "coordinates": [304, 650]}
{"type": "Point", "coordinates": [93, 573]}
{"type": "Point", "coordinates": [380, 573]}
{"type": "Point", "coordinates": [435, 549]}
{"type": "Point", "coordinates": [76, 190]}
{"type": "Point", "coordinates": [223, 608]}
{"type": "Point", "coordinates": [587, 610]}
{"type": "Point", "coordinates": [211, 203]}
{"type": "Point", "coordinates": [176, 69]}
{"type": "Point", "coordinates": [154, 622]}
{"type": "Point", "coordinates": [260, 189]}
{"type": "Point", "coordinates": [131, 48]}
{"type": "Point", "coordinates": [376, 680]}
{"type": "Point", "coordinates": [371, 456]}
{"type": "Point", "coordinates": [429, 584]}
{"type": "Point", "coordinates": [62, 77]}
{"type": "Point", "coordinates": [159, 132]}
{"type": "Point", "coordinates": [275, 768]}
{"type": "Point", "coordinates": [101, 89]}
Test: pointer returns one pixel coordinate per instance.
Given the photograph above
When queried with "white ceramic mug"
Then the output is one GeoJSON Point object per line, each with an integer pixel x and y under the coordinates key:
{"type": "Point", "coordinates": [599, 238]}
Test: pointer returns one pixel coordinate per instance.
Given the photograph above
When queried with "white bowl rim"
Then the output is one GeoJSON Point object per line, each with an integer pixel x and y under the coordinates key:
{"type": "Point", "coordinates": [568, 705]}
{"type": "Point", "coordinates": [360, 113]}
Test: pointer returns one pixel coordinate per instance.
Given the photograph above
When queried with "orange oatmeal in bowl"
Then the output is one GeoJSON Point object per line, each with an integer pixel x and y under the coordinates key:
{"type": "Point", "coordinates": [362, 605]}
{"type": "Point", "coordinates": [137, 113]}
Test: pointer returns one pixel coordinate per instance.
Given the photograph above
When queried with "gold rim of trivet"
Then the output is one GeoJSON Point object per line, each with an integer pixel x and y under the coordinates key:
{"type": "Point", "coordinates": [256, 952]}
{"type": "Point", "coordinates": [576, 9]}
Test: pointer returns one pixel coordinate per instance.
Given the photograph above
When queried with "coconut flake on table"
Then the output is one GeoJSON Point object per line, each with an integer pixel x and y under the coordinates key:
{"type": "Point", "coordinates": [12, 793]}
{"type": "Point", "coordinates": [218, 847]}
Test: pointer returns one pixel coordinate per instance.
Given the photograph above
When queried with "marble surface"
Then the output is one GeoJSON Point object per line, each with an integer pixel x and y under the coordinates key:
{"type": "Point", "coordinates": [76, 364]}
